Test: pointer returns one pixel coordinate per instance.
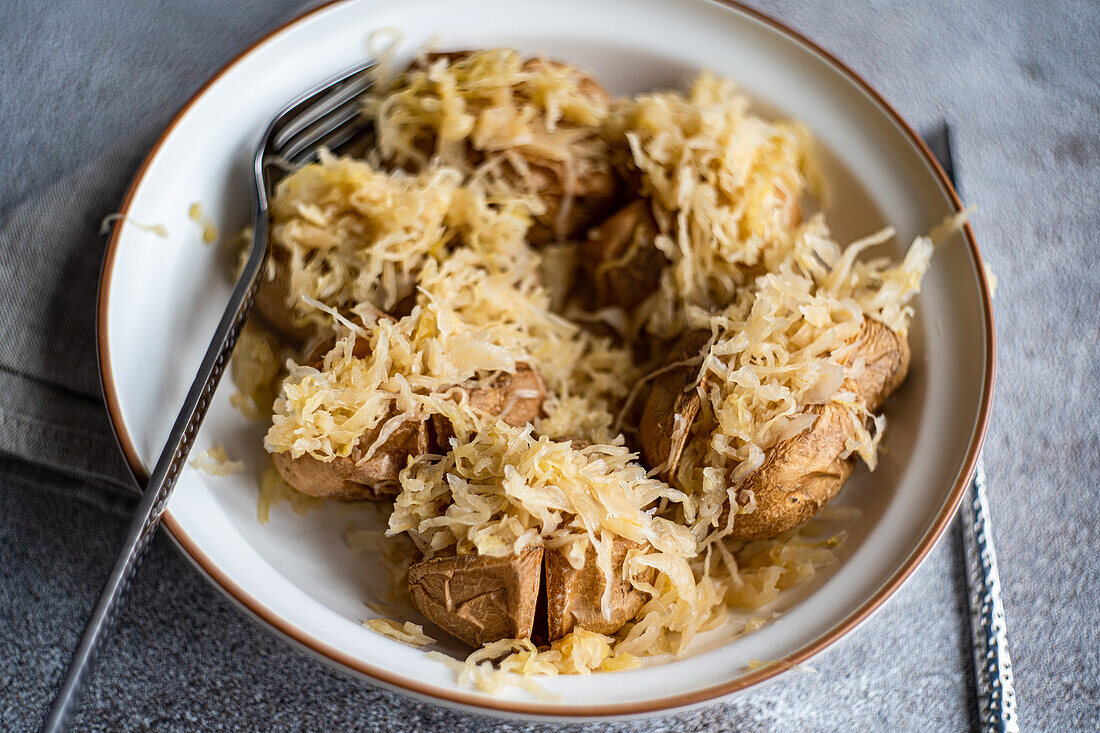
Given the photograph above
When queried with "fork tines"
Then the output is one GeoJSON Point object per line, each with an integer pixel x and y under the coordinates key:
{"type": "Point", "coordinates": [325, 117]}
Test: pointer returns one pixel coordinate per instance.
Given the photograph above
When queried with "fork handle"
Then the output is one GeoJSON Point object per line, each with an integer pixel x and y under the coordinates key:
{"type": "Point", "coordinates": [157, 492]}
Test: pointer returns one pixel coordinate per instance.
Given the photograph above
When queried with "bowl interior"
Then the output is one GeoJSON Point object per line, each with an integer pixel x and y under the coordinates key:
{"type": "Point", "coordinates": [162, 298]}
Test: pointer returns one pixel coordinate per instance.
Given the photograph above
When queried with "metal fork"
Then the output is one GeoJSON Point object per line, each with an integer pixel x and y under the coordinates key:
{"type": "Point", "coordinates": [993, 681]}
{"type": "Point", "coordinates": [326, 116]}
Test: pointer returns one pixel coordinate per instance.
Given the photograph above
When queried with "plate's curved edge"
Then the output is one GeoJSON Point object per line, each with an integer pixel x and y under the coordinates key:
{"type": "Point", "coordinates": [535, 709]}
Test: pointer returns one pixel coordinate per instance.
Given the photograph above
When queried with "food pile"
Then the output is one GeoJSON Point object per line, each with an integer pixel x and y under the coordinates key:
{"type": "Point", "coordinates": [594, 354]}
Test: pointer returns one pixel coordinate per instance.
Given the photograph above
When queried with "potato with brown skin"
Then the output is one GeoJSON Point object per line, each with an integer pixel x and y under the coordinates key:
{"type": "Point", "coordinates": [574, 595]}
{"type": "Point", "coordinates": [349, 478]}
{"type": "Point", "coordinates": [514, 397]}
{"type": "Point", "coordinates": [479, 599]}
{"type": "Point", "coordinates": [801, 474]}
{"type": "Point", "coordinates": [670, 397]}
{"type": "Point", "coordinates": [621, 259]}
{"type": "Point", "coordinates": [886, 358]}
{"type": "Point", "coordinates": [798, 477]}
{"type": "Point", "coordinates": [508, 396]}
{"type": "Point", "coordinates": [273, 302]}
{"type": "Point", "coordinates": [585, 82]}
{"type": "Point", "coordinates": [594, 186]}
{"type": "Point", "coordinates": [595, 192]}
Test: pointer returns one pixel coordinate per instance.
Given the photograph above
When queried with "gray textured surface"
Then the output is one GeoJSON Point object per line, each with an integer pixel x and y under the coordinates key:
{"type": "Point", "coordinates": [84, 87]}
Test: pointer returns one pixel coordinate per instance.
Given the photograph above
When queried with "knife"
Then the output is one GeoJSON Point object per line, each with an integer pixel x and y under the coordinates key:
{"type": "Point", "coordinates": [993, 681]}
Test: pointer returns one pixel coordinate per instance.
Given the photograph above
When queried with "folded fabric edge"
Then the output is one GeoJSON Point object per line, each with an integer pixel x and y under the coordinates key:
{"type": "Point", "coordinates": [90, 491]}
{"type": "Point", "coordinates": [62, 432]}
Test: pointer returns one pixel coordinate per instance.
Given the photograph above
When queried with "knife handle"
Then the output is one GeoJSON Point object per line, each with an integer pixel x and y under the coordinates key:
{"type": "Point", "coordinates": [992, 665]}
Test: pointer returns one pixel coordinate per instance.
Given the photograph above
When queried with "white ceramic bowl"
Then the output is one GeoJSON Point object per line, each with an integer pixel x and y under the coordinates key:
{"type": "Point", "coordinates": [160, 300]}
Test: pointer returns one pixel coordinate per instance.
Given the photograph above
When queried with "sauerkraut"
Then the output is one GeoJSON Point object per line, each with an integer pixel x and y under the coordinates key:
{"type": "Point", "coordinates": [505, 489]}
{"type": "Point", "coordinates": [158, 229]}
{"type": "Point", "coordinates": [214, 462]}
{"type": "Point", "coordinates": [452, 255]}
{"type": "Point", "coordinates": [513, 124]}
{"type": "Point", "coordinates": [510, 662]}
{"type": "Point", "coordinates": [491, 100]}
{"type": "Point", "coordinates": [209, 229]}
{"type": "Point", "coordinates": [476, 315]}
{"type": "Point", "coordinates": [257, 369]}
{"type": "Point", "coordinates": [406, 633]}
{"type": "Point", "coordinates": [724, 186]}
{"type": "Point", "coordinates": [783, 344]}
{"type": "Point", "coordinates": [349, 235]}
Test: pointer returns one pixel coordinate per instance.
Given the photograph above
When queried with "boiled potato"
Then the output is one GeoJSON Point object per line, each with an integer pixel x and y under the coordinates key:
{"type": "Point", "coordinates": [516, 398]}
{"type": "Point", "coordinates": [670, 408]}
{"type": "Point", "coordinates": [349, 478]}
{"type": "Point", "coordinates": [800, 474]}
{"type": "Point", "coordinates": [621, 259]}
{"type": "Point", "coordinates": [479, 599]}
{"type": "Point", "coordinates": [574, 595]}
{"type": "Point", "coordinates": [574, 195]}
{"type": "Point", "coordinates": [274, 302]}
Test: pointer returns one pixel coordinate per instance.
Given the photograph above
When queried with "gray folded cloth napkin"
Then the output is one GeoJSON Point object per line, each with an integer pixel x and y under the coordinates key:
{"type": "Point", "coordinates": [78, 117]}
{"type": "Point", "coordinates": [51, 409]}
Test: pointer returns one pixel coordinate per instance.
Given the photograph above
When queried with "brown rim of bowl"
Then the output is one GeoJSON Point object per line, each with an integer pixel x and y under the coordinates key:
{"type": "Point", "coordinates": [476, 702]}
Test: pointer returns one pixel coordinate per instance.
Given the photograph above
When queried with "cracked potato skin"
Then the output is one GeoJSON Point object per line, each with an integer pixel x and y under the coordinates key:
{"type": "Point", "coordinates": [798, 476]}
{"type": "Point", "coordinates": [803, 473]}
{"type": "Point", "coordinates": [596, 188]}
{"type": "Point", "coordinates": [667, 399]}
{"type": "Point", "coordinates": [348, 479]}
{"type": "Point", "coordinates": [621, 259]}
{"type": "Point", "coordinates": [886, 357]}
{"type": "Point", "coordinates": [500, 398]}
{"type": "Point", "coordinates": [596, 192]}
{"type": "Point", "coordinates": [476, 599]}
{"type": "Point", "coordinates": [573, 595]}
